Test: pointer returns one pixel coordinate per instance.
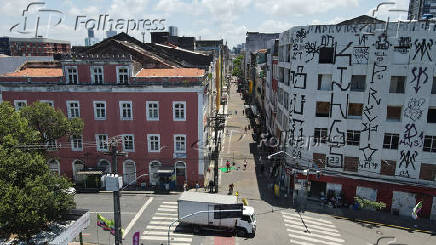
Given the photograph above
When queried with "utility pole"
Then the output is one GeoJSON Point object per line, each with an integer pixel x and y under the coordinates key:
{"type": "Point", "coordinates": [117, 208]}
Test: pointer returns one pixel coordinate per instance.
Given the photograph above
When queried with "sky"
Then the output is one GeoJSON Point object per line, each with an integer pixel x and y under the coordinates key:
{"type": "Point", "coordinates": [202, 19]}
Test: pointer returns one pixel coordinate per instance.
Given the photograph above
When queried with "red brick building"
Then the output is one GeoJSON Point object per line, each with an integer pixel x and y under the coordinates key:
{"type": "Point", "coordinates": [158, 115]}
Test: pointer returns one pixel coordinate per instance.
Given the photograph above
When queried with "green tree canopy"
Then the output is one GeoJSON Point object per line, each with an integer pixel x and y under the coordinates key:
{"type": "Point", "coordinates": [237, 66]}
{"type": "Point", "coordinates": [31, 195]}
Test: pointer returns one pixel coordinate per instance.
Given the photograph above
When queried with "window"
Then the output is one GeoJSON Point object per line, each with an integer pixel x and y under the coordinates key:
{"type": "Point", "coordinates": [180, 143]}
{"type": "Point", "coordinates": [433, 87]}
{"type": "Point", "coordinates": [428, 172]}
{"type": "Point", "coordinates": [100, 110]}
{"type": "Point", "coordinates": [126, 110]}
{"type": "Point", "coordinates": [320, 135]}
{"type": "Point", "coordinates": [358, 83]}
{"type": "Point", "coordinates": [76, 143]}
{"type": "Point", "coordinates": [326, 55]}
{"type": "Point", "coordinates": [179, 108]}
{"type": "Point", "coordinates": [54, 166]}
{"type": "Point", "coordinates": [388, 167]}
{"type": "Point", "coordinates": [102, 142]}
{"type": "Point", "coordinates": [397, 84]}
{"type": "Point", "coordinates": [431, 115]}
{"type": "Point", "coordinates": [390, 141]}
{"type": "Point", "coordinates": [180, 169]}
{"type": "Point", "coordinates": [153, 142]}
{"type": "Point", "coordinates": [429, 143]}
{"type": "Point", "coordinates": [51, 145]}
{"type": "Point", "coordinates": [71, 75]}
{"type": "Point", "coordinates": [286, 100]}
{"type": "Point", "coordinates": [48, 102]}
{"type": "Point", "coordinates": [18, 104]}
{"type": "Point", "coordinates": [73, 108]}
{"type": "Point", "coordinates": [325, 82]}
{"type": "Point", "coordinates": [319, 159]}
{"type": "Point", "coordinates": [128, 143]}
{"type": "Point", "coordinates": [123, 75]}
{"type": "Point", "coordinates": [351, 164]}
{"type": "Point", "coordinates": [393, 113]}
{"type": "Point", "coordinates": [152, 110]}
{"type": "Point", "coordinates": [97, 74]}
{"type": "Point", "coordinates": [355, 110]}
{"type": "Point", "coordinates": [353, 137]}
{"type": "Point", "coordinates": [322, 109]}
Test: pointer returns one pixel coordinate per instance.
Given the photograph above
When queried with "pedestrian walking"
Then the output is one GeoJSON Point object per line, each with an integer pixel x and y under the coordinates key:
{"type": "Point", "coordinates": [197, 185]}
{"type": "Point", "coordinates": [228, 166]}
{"type": "Point", "coordinates": [211, 184]}
{"type": "Point", "coordinates": [236, 112]}
{"type": "Point", "coordinates": [245, 164]}
{"type": "Point", "coordinates": [185, 186]}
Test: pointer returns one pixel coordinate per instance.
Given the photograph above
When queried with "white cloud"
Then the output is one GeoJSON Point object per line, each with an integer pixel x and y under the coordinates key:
{"type": "Point", "coordinates": [301, 7]}
{"type": "Point", "coordinates": [383, 12]}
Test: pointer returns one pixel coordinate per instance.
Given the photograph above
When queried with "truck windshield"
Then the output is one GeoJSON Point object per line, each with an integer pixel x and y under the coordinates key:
{"type": "Point", "coordinates": [246, 218]}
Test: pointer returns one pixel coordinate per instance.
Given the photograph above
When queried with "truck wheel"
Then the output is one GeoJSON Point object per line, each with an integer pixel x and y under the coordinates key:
{"type": "Point", "coordinates": [241, 233]}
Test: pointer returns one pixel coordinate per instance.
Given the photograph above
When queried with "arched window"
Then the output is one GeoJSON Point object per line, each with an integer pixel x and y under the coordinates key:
{"type": "Point", "coordinates": [129, 172]}
{"type": "Point", "coordinates": [103, 163]}
{"type": "Point", "coordinates": [54, 166]}
{"type": "Point", "coordinates": [180, 169]}
{"type": "Point", "coordinates": [78, 165]}
{"type": "Point", "coordinates": [153, 175]}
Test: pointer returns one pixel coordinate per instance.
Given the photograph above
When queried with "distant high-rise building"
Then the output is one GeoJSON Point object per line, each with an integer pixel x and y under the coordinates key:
{"type": "Point", "coordinates": [173, 30]}
{"type": "Point", "coordinates": [111, 34]}
{"type": "Point", "coordinates": [91, 39]}
{"type": "Point", "coordinates": [90, 33]}
{"type": "Point", "coordinates": [421, 9]}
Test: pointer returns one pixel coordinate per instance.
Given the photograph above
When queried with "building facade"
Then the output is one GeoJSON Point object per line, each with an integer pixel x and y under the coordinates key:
{"type": "Point", "coordinates": [158, 116]}
{"type": "Point", "coordinates": [360, 101]}
{"type": "Point", "coordinates": [33, 46]}
{"type": "Point", "coordinates": [419, 8]}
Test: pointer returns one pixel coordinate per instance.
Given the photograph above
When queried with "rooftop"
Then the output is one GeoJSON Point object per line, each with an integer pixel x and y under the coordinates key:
{"type": "Point", "coordinates": [208, 198]}
{"type": "Point", "coordinates": [36, 72]}
{"type": "Point", "coordinates": [174, 72]}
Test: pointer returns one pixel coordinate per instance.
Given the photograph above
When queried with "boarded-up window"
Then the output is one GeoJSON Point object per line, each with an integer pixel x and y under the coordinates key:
{"type": "Point", "coordinates": [393, 113]}
{"type": "Point", "coordinates": [326, 55]}
{"type": "Point", "coordinates": [322, 109]}
{"type": "Point", "coordinates": [428, 172]}
{"type": "Point", "coordinates": [388, 167]}
{"type": "Point", "coordinates": [397, 84]}
{"type": "Point", "coordinates": [358, 83]}
{"type": "Point", "coordinates": [355, 110]}
{"type": "Point", "coordinates": [351, 164]}
{"type": "Point", "coordinates": [319, 159]}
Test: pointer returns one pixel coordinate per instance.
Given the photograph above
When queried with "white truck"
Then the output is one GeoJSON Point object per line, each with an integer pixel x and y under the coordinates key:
{"type": "Point", "coordinates": [203, 211]}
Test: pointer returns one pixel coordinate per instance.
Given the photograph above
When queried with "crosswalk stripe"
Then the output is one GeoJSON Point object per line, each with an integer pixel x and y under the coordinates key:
{"type": "Point", "coordinates": [159, 227]}
{"type": "Point", "coordinates": [300, 227]}
{"type": "Point", "coordinates": [164, 233]}
{"type": "Point", "coordinates": [153, 222]}
{"type": "Point", "coordinates": [309, 221]}
{"type": "Point", "coordinates": [311, 226]}
{"type": "Point", "coordinates": [170, 202]}
{"type": "Point", "coordinates": [307, 217]}
{"type": "Point", "coordinates": [168, 206]}
{"type": "Point", "coordinates": [310, 239]}
{"type": "Point", "coordinates": [170, 218]}
{"type": "Point", "coordinates": [167, 209]}
{"type": "Point", "coordinates": [300, 243]}
{"type": "Point", "coordinates": [165, 238]}
{"type": "Point", "coordinates": [170, 214]}
{"type": "Point", "coordinates": [315, 235]}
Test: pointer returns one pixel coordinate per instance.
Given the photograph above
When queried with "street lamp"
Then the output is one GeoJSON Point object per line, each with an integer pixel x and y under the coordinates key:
{"type": "Point", "coordinates": [279, 152]}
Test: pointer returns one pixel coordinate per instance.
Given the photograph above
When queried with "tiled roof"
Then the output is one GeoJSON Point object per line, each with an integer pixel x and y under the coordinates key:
{"type": "Point", "coordinates": [175, 72]}
{"type": "Point", "coordinates": [36, 72]}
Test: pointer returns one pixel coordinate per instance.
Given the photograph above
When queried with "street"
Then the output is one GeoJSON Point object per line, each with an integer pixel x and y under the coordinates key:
{"type": "Point", "coordinates": [277, 221]}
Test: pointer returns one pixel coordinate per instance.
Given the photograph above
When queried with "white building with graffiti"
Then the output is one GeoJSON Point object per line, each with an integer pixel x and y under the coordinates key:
{"type": "Point", "coordinates": [361, 104]}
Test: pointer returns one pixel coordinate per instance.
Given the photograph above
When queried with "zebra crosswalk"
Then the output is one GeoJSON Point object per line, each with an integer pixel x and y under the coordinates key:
{"type": "Point", "coordinates": [157, 228]}
{"type": "Point", "coordinates": [307, 230]}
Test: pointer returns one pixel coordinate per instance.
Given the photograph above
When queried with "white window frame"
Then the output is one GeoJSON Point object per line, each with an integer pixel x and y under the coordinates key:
{"type": "Point", "coordinates": [121, 109]}
{"type": "Point", "coordinates": [49, 102]}
{"type": "Point", "coordinates": [93, 74]}
{"type": "Point", "coordinates": [18, 107]}
{"type": "Point", "coordinates": [69, 108]}
{"type": "Point", "coordinates": [148, 103]}
{"type": "Point", "coordinates": [184, 110]}
{"type": "Point", "coordinates": [58, 168]}
{"type": "Point", "coordinates": [73, 147]}
{"type": "Point", "coordinates": [175, 143]}
{"type": "Point", "coordinates": [67, 74]}
{"type": "Point", "coordinates": [96, 117]}
{"type": "Point", "coordinates": [149, 142]}
{"type": "Point", "coordinates": [118, 74]}
{"type": "Point", "coordinates": [133, 144]}
{"type": "Point", "coordinates": [97, 141]}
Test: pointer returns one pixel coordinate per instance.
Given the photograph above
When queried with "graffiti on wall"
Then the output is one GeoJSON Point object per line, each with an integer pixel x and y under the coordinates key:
{"type": "Point", "coordinates": [423, 48]}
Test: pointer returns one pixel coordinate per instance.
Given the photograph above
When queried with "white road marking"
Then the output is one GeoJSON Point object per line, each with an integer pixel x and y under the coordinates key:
{"type": "Point", "coordinates": [170, 203]}
{"type": "Point", "coordinates": [153, 222]}
{"type": "Point", "coordinates": [133, 221]}
{"type": "Point", "coordinates": [165, 238]}
{"type": "Point", "coordinates": [164, 233]}
{"type": "Point", "coordinates": [111, 212]}
{"type": "Point", "coordinates": [306, 238]}
{"type": "Point", "coordinates": [301, 227]}
{"type": "Point", "coordinates": [168, 206]}
{"type": "Point", "coordinates": [170, 214]}
{"type": "Point", "coordinates": [170, 218]}
{"type": "Point", "coordinates": [167, 209]}
{"type": "Point", "coordinates": [307, 221]}
{"type": "Point", "coordinates": [307, 217]}
{"type": "Point", "coordinates": [315, 235]}
{"type": "Point", "coordinates": [310, 226]}
{"type": "Point", "coordinates": [300, 243]}
{"type": "Point", "coordinates": [157, 227]}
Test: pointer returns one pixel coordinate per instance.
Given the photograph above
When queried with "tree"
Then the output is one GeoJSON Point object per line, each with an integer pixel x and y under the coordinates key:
{"type": "Point", "coordinates": [31, 195]}
{"type": "Point", "coordinates": [237, 66]}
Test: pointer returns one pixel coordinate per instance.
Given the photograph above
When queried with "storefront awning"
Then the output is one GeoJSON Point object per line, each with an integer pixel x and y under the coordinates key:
{"type": "Point", "coordinates": [165, 171]}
